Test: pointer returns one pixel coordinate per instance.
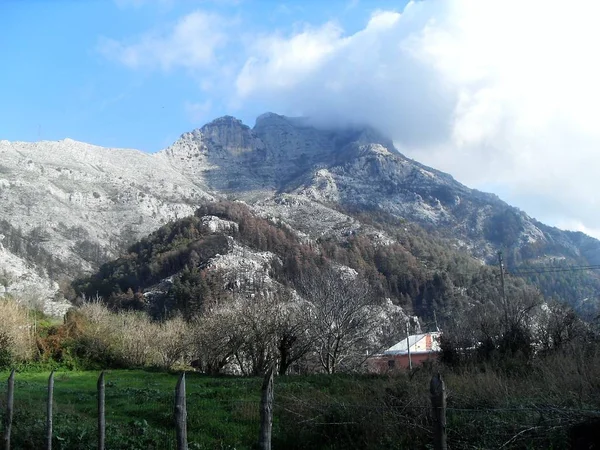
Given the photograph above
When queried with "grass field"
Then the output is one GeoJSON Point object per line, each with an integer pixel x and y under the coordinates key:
{"type": "Point", "coordinates": [339, 412]}
{"type": "Point", "coordinates": [316, 411]}
{"type": "Point", "coordinates": [222, 412]}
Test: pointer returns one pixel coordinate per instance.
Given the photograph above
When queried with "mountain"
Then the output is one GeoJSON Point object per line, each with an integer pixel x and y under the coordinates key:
{"type": "Point", "coordinates": [67, 207]}
{"type": "Point", "coordinates": [358, 169]}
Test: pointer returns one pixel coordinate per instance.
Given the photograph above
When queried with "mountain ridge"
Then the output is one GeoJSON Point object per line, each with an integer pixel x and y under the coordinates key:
{"type": "Point", "coordinates": [117, 195]}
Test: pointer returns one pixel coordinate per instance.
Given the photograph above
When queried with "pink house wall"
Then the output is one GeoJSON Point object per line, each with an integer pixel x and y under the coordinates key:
{"type": "Point", "coordinates": [382, 364]}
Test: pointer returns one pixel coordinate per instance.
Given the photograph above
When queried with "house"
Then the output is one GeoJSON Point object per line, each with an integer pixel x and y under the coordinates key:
{"type": "Point", "coordinates": [423, 347]}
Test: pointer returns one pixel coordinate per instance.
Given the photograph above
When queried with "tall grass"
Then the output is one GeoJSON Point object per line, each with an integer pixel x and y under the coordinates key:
{"type": "Point", "coordinates": [16, 333]}
{"type": "Point", "coordinates": [130, 339]}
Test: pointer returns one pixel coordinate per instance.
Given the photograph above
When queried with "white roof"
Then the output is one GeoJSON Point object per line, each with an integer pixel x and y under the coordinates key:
{"type": "Point", "coordinates": [401, 348]}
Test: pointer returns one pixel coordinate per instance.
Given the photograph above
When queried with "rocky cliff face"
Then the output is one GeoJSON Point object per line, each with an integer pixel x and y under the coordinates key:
{"type": "Point", "coordinates": [359, 169]}
{"type": "Point", "coordinates": [67, 206]}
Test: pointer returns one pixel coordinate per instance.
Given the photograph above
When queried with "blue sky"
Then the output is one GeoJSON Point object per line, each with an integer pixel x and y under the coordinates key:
{"type": "Point", "coordinates": [56, 83]}
{"type": "Point", "coordinates": [502, 94]}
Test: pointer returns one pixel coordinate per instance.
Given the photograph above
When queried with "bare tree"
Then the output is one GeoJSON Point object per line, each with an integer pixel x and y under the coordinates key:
{"type": "Point", "coordinates": [522, 306]}
{"type": "Point", "coordinates": [216, 338]}
{"type": "Point", "coordinates": [170, 341]}
{"type": "Point", "coordinates": [294, 337]}
{"type": "Point", "coordinates": [495, 328]}
{"type": "Point", "coordinates": [254, 331]}
{"type": "Point", "coordinates": [344, 315]}
{"type": "Point", "coordinates": [277, 330]}
{"type": "Point", "coordinates": [259, 317]}
{"type": "Point", "coordinates": [556, 326]}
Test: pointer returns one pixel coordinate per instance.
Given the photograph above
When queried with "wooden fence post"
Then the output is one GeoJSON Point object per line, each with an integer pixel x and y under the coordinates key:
{"type": "Point", "coordinates": [181, 414]}
{"type": "Point", "coordinates": [266, 411]}
{"type": "Point", "coordinates": [101, 416]}
{"type": "Point", "coordinates": [437, 390]}
{"type": "Point", "coordinates": [49, 411]}
{"type": "Point", "coordinates": [10, 401]}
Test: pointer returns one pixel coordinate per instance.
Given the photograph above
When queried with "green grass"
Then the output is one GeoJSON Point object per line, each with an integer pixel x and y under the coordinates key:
{"type": "Point", "coordinates": [222, 412]}
{"type": "Point", "coordinates": [338, 412]}
{"type": "Point", "coordinates": [317, 411]}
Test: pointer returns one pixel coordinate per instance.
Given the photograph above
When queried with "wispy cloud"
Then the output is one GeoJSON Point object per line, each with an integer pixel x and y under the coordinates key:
{"type": "Point", "coordinates": [190, 43]}
{"type": "Point", "coordinates": [283, 63]}
{"type": "Point", "coordinates": [352, 4]}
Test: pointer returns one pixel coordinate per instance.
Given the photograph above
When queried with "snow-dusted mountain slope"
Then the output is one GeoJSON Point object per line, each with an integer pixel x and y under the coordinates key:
{"type": "Point", "coordinates": [357, 168]}
{"type": "Point", "coordinates": [67, 206]}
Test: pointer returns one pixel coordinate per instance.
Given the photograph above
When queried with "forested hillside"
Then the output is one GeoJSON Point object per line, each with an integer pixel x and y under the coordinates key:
{"type": "Point", "coordinates": [568, 277]}
{"type": "Point", "coordinates": [417, 272]}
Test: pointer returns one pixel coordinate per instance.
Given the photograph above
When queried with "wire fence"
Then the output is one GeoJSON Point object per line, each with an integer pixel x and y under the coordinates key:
{"type": "Point", "coordinates": [410, 426]}
{"type": "Point", "coordinates": [136, 417]}
{"type": "Point", "coordinates": [143, 418]}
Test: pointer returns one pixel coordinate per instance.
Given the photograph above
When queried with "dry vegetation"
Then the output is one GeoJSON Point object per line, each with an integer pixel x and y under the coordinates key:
{"type": "Point", "coordinates": [16, 334]}
{"type": "Point", "coordinates": [530, 400]}
{"type": "Point", "coordinates": [128, 339]}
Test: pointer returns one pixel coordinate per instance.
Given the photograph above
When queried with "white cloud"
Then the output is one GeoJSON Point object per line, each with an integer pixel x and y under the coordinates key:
{"type": "Point", "coordinates": [578, 226]}
{"type": "Point", "coordinates": [191, 43]}
{"type": "Point", "coordinates": [365, 77]}
{"type": "Point", "coordinates": [502, 94]}
{"type": "Point", "coordinates": [283, 63]}
{"type": "Point", "coordinates": [496, 92]}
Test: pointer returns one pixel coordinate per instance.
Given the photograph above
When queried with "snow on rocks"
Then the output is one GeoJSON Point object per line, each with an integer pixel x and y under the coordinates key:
{"type": "Point", "coordinates": [244, 267]}
{"type": "Point", "coordinates": [215, 224]}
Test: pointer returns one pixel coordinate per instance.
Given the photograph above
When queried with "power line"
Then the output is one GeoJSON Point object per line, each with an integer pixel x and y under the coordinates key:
{"type": "Point", "coordinates": [550, 269]}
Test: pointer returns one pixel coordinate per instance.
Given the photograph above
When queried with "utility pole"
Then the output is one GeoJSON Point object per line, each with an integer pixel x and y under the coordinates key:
{"type": "Point", "coordinates": [408, 346]}
{"type": "Point", "coordinates": [504, 301]}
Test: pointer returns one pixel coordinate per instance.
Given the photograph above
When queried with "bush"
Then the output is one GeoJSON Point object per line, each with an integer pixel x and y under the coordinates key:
{"type": "Point", "coordinates": [102, 339]}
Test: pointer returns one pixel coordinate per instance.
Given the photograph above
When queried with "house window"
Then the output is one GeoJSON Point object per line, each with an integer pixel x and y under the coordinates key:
{"type": "Point", "coordinates": [391, 364]}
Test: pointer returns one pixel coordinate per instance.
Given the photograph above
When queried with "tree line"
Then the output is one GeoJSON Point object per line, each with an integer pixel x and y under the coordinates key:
{"type": "Point", "coordinates": [330, 302]}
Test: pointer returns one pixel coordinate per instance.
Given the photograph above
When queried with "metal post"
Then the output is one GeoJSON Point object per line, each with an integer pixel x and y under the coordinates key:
{"type": "Point", "coordinates": [504, 301]}
{"type": "Point", "coordinates": [408, 347]}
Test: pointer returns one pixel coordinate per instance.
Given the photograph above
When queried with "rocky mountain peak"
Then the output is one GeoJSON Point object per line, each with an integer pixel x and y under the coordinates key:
{"type": "Point", "coordinates": [370, 136]}
{"type": "Point", "coordinates": [230, 134]}
{"type": "Point", "coordinates": [269, 119]}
